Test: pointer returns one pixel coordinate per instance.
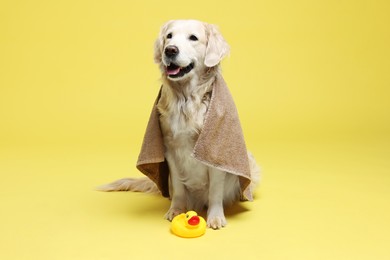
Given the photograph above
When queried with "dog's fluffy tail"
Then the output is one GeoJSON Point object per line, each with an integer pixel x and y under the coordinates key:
{"type": "Point", "coordinates": [131, 184]}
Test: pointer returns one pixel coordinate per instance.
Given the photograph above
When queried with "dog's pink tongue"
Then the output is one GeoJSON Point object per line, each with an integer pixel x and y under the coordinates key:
{"type": "Point", "coordinates": [173, 71]}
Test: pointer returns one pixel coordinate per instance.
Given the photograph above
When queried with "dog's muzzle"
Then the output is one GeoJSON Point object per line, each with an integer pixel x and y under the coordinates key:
{"type": "Point", "coordinates": [175, 71]}
{"type": "Point", "coordinates": [172, 69]}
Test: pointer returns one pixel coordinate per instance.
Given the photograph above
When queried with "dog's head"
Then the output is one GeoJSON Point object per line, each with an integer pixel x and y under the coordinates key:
{"type": "Point", "coordinates": [185, 47]}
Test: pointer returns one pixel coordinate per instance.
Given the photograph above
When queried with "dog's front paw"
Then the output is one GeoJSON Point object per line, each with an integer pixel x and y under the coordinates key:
{"type": "Point", "coordinates": [216, 222]}
{"type": "Point", "coordinates": [173, 212]}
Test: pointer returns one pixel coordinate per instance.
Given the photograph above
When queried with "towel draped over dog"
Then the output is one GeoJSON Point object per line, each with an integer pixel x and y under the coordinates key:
{"type": "Point", "coordinates": [220, 143]}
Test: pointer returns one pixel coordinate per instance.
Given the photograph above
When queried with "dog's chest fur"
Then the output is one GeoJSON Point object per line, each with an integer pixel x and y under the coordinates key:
{"type": "Point", "coordinates": [182, 115]}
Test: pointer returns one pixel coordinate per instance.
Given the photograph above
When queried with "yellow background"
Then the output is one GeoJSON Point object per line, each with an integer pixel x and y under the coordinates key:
{"type": "Point", "coordinates": [311, 82]}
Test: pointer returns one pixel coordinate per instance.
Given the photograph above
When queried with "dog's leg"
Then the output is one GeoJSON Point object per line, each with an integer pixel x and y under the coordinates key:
{"type": "Point", "coordinates": [178, 193]}
{"type": "Point", "coordinates": [215, 214]}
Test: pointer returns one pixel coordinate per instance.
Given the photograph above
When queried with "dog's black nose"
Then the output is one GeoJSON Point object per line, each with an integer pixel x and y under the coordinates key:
{"type": "Point", "coordinates": [171, 51]}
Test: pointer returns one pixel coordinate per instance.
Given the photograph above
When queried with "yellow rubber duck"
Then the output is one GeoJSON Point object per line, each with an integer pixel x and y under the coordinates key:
{"type": "Point", "coordinates": [188, 225]}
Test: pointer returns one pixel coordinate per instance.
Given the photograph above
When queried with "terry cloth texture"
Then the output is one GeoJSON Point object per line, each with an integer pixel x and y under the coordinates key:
{"type": "Point", "coordinates": [220, 143]}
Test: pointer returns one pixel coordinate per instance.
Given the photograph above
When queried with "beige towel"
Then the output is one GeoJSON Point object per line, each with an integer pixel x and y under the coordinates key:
{"type": "Point", "coordinates": [220, 143]}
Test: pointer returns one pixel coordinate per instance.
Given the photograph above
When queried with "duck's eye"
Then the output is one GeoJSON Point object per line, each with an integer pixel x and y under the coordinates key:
{"type": "Point", "coordinates": [169, 35]}
{"type": "Point", "coordinates": [187, 216]}
{"type": "Point", "coordinates": [193, 38]}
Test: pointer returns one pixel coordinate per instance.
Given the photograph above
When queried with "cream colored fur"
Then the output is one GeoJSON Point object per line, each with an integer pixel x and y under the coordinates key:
{"type": "Point", "coordinates": [183, 105]}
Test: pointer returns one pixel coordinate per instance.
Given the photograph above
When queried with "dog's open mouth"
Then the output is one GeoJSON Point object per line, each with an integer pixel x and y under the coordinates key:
{"type": "Point", "coordinates": [174, 71]}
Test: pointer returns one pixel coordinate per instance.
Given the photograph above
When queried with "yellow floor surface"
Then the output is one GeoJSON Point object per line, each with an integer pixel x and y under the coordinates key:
{"type": "Point", "coordinates": [316, 201]}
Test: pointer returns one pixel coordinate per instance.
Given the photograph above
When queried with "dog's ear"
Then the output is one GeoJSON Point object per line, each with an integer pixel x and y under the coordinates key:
{"type": "Point", "coordinates": [159, 43]}
{"type": "Point", "coordinates": [217, 47]}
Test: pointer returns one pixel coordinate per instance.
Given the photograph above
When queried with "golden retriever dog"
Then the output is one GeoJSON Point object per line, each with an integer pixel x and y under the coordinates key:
{"type": "Point", "coordinates": [189, 53]}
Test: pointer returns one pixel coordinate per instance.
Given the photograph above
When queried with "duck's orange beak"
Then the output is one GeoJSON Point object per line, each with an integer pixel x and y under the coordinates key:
{"type": "Point", "coordinates": [193, 221]}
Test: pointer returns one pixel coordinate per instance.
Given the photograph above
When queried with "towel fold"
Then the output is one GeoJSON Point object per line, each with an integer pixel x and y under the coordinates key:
{"type": "Point", "coordinates": [220, 143]}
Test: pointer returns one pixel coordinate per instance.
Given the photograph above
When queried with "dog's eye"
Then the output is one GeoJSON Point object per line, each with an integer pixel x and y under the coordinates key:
{"type": "Point", "coordinates": [169, 35]}
{"type": "Point", "coordinates": [193, 38]}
